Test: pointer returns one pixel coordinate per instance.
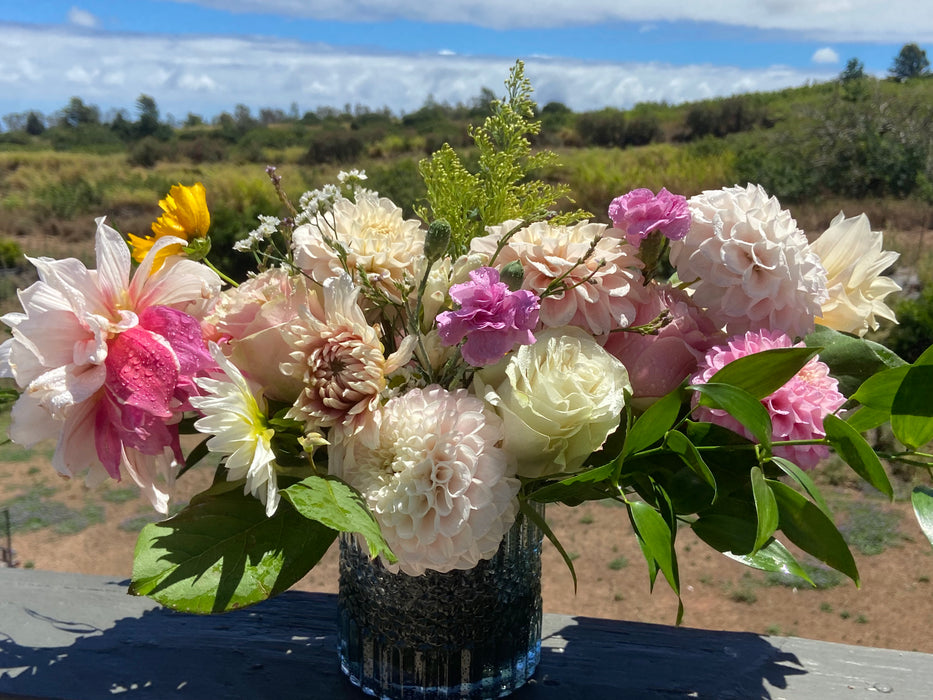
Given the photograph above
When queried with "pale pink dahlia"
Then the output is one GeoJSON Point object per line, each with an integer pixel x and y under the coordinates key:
{"type": "Point", "coordinates": [797, 409]}
{"type": "Point", "coordinates": [339, 360]}
{"type": "Point", "coordinates": [492, 318]}
{"type": "Point", "coordinates": [749, 264]}
{"type": "Point", "coordinates": [658, 362]}
{"type": "Point", "coordinates": [613, 286]}
{"type": "Point", "coordinates": [107, 361]}
{"type": "Point", "coordinates": [377, 241]}
{"type": "Point", "coordinates": [440, 487]}
{"type": "Point", "coordinates": [640, 212]}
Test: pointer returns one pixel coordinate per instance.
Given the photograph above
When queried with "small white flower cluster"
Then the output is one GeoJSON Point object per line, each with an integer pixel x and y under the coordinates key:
{"type": "Point", "coordinates": [268, 225]}
{"type": "Point", "coordinates": [320, 201]}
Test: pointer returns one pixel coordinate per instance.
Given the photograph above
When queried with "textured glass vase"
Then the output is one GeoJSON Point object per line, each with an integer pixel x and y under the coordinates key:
{"type": "Point", "coordinates": [461, 634]}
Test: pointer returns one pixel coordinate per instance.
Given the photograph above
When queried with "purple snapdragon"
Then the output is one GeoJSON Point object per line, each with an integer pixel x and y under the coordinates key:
{"type": "Point", "coordinates": [492, 318]}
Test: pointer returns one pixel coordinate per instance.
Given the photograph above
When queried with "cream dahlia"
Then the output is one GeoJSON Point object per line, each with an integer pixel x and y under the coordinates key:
{"type": "Point", "coordinates": [749, 264]}
{"type": "Point", "coordinates": [605, 301]}
{"type": "Point", "coordinates": [377, 241]}
{"type": "Point", "coordinates": [339, 360]}
{"type": "Point", "coordinates": [852, 255]}
{"type": "Point", "coordinates": [434, 476]}
{"type": "Point", "coordinates": [797, 409]}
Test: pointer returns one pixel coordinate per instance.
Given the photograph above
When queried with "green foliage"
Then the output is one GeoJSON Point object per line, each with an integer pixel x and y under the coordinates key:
{"type": "Point", "coordinates": [500, 190]}
{"type": "Point", "coordinates": [11, 254]}
{"type": "Point", "coordinates": [911, 62]}
{"type": "Point", "coordinates": [914, 330]}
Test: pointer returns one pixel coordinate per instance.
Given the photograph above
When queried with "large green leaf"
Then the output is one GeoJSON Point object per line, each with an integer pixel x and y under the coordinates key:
{"type": "Point", "coordinates": [922, 499]}
{"type": "Point", "coordinates": [335, 504]}
{"type": "Point", "coordinates": [763, 373]}
{"type": "Point", "coordinates": [656, 540]}
{"type": "Point", "coordinates": [726, 533]}
{"type": "Point", "coordinates": [653, 423]}
{"type": "Point", "coordinates": [744, 407]}
{"type": "Point", "coordinates": [878, 391]}
{"type": "Point", "coordinates": [774, 556]}
{"type": "Point", "coordinates": [765, 508]}
{"type": "Point", "coordinates": [865, 418]}
{"type": "Point", "coordinates": [857, 453]}
{"type": "Point", "coordinates": [912, 409]}
{"type": "Point", "coordinates": [851, 360]}
{"type": "Point", "coordinates": [222, 553]}
{"type": "Point", "coordinates": [812, 530]}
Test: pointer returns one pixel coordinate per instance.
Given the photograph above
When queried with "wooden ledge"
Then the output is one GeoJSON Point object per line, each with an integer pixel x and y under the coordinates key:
{"type": "Point", "coordinates": [71, 636]}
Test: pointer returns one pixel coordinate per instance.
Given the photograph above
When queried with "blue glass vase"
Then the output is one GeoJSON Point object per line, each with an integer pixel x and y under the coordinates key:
{"type": "Point", "coordinates": [462, 634]}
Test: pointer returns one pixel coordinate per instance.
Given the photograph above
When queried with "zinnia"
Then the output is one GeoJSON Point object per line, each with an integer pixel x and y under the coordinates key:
{"type": "Point", "coordinates": [797, 409]}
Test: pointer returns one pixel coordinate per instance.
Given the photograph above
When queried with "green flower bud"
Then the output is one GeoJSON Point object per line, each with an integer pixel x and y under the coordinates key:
{"type": "Point", "coordinates": [512, 275]}
{"type": "Point", "coordinates": [437, 240]}
{"type": "Point", "coordinates": [198, 248]}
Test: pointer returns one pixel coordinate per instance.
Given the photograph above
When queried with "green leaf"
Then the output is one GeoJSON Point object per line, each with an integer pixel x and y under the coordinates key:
{"type": "Point", "coordinates": [222, 553]}
{"type": "Point", "coordinates": [763, 373]}
{"type": "Point", "coordinates": [656, 540]}
{"type": "Point", "coordinates": [337, 505]}
{"type": "Point", "coordinates": [922, 500]}
{"type": "Point", "coordinates": [531, 513]}
{"type": "Point", "coordinates": [725, 533]}
{"type": "Point", "coordinates": [878, 391]}
{"type": "Point", "coordinates": [765, 508]}
{"type": "Point", "coordinates": [912, 409]}
{"type": "Point", "coordinates": [857, 453]}
{"type": "Point", "coordinates": [577, 488]}
{"type": "Point", "coordinates": [741, 405]}
{"type": "Point", "coordinates": [802, 478]}
{"type": "Point", "coordinates": [774, 556]}
{"type": "Point", "coordinates": [851, 360]}
{"type": "Point", "coordinates": [680, 444]}
{"type": "Point", "coordinates": [652, 425]}
{"type": "Point", "coordinates": [865, 418]}
{"type": "Point", "coordinates": [812, 530]}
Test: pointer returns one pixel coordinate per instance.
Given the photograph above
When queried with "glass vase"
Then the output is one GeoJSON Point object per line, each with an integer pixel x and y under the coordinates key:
{"type": "Point", "coordinates": [461, 634]}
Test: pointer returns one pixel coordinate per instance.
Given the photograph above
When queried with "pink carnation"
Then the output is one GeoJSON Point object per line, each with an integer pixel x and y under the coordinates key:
{"type": "Point", "coordinates": [797, 409]}
{"type": "Point", "coordinates": [492, 318]}
{"type": "Point", "coordinates": [658, 362]}
{"type": "Point", "coordinates": [640, 212]}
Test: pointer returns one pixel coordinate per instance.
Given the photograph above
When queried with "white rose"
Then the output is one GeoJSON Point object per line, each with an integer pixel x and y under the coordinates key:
{"type": "Point", "coordinates": [559, 399]}
{"type": "Point", "coordinates": [852, 255]}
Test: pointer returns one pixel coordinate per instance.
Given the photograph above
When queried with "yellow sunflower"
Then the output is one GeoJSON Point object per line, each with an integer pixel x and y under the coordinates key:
{"type": "Point", "coordinates": [186, 216]}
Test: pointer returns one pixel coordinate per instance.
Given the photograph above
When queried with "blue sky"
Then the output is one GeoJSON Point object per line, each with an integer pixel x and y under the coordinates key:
{"type": "Point", "coordinates": [207, 56]}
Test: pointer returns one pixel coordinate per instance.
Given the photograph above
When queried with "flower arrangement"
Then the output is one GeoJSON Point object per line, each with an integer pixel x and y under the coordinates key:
{"type": "Point", "coordinates": [420, 382]}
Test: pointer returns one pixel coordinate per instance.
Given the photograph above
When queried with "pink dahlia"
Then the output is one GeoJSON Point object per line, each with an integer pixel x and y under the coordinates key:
{"type": "Point", "coordinates": [431, 470]}
{"type": "Point", "coordinates": [106, 360]}
{"type": "Point", "coordinates": [797, 409]}
{"type": "Point", "coordinates": [658, 362]}
{"type": "Point", "coordinates": [641, 211]}
{"type": "Point", "coordinates": [492, 318]}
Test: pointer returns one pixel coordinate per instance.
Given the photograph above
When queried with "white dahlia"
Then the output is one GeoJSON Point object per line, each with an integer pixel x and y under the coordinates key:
{"type": "Point", "coordinates": [605, 301]}
{"type": "Point", "coordinates": [378, 243]}
{"type": "Point", "coordinates": [431, 470]}
{"type": "Point", "coordinates": [852, 255]}
{"type": "Point", "coordinates": [750, 265]}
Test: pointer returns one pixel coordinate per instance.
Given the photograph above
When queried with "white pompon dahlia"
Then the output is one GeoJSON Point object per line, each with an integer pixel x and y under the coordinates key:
{"type": "Point", "coordinates": [432, 471]}
{"type": "Point", "coordinates": [750, 265]}
{"type": "Point", "coordinates": [234, 418]}
{"type": "Point", "coordinates": [375, 237]}
{"type": "Point", "coordinates": [852, 255]}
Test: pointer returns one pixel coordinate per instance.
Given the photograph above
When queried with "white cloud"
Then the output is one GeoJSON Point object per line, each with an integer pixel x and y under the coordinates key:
{"type": "Point", "coordinates": [207, 75]}
{"type": "Point", "coordinates": [82, 18]}
{"type": "Point", "coordinates": [825, 55]}
{"type": "Point", "coordinates": [830, 20]}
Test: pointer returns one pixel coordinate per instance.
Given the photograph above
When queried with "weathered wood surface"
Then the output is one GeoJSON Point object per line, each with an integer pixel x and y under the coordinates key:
{"type": "Point", "coordinates": [71, 636]}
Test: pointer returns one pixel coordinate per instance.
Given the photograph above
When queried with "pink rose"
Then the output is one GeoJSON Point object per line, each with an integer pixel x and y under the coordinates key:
{"type": "Point", "coordinates": [640, 212]}
{"type": "Point", "coordinates": [657, 363]}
